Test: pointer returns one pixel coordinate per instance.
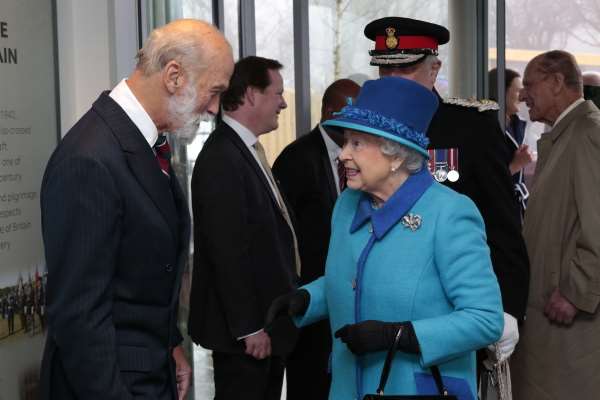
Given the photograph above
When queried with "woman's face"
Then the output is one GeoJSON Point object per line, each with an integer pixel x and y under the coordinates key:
{"type": "Point", "coordinates": [367, 168]}
{"type": "Point", "coordinates": [512, 96]}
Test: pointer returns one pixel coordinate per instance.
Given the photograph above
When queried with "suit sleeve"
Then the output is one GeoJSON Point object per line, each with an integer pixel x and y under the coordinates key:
{"type": "Point", "coordinates": [469, 284]}
{"type": "Point", "coordinates": [582, 286]}
{"type": "Point", "coordinates": [499, 208]}
{"type": "Point", "coordinates": [221, 223]}
{"type": "Point", "coordinates": [81, 217]}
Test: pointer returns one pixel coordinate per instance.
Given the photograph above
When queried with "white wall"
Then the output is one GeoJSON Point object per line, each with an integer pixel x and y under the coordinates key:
{"type": "Point", "coordinates": [97, 41]}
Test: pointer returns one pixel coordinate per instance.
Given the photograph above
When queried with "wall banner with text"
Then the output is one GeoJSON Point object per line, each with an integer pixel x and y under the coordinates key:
{"type": "Point", "coordinates": [28, 135]}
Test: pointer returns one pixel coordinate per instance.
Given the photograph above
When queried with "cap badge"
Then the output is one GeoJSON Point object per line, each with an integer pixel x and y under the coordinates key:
{"type": "Point", "coordinates": [391, 42]}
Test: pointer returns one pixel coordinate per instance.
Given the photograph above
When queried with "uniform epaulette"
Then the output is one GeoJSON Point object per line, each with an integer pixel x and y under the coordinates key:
{"type": "Point", "coordinates": [481, 105]}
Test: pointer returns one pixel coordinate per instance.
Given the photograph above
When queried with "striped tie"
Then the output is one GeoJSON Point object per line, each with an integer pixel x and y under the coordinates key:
{"type": "Point", "coordinates": [163, 154]}
{"type": "Point", "coordinates": [341, 170]}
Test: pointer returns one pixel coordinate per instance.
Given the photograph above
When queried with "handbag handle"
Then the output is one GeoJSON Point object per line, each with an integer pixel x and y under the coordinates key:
{"type": "Point", "coordinates": [387, 366]}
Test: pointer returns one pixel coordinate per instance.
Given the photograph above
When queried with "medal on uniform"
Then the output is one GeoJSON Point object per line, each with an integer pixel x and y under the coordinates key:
{"type": "Point", "coordinates": [453, 174]}
{"type": "Point", "coordinates": [441, 165]}
{"type": "Point", "coordinates": [431, 161]}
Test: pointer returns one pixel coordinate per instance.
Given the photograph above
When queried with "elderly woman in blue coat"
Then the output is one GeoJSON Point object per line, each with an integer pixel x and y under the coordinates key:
{"type": "Point", "coordinates": [407, 256]}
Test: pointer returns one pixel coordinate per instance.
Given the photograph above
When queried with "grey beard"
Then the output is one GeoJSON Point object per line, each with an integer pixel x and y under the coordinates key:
{"type": "Point", "coordinates": [189, 129]}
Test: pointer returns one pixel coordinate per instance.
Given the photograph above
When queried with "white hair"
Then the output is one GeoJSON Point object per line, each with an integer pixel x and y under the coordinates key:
{"type": "Point", "coordinates": [412, 160]}
{"type": "Point", "coordinates": [159, 49]}
{"type": "Point", "coordinates": [170, 43]}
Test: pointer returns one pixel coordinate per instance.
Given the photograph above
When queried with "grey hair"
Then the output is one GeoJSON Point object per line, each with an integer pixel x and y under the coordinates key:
{"type": "Point", "coordinates": [413, 161]}
{"type": "Point", "coordinates": [163, 46]}
{"type": "Point", "coordinates": [560, 62]}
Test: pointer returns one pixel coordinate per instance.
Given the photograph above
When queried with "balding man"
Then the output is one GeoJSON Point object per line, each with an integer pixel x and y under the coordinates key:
{"type": "Point", "coordinates": [307, 170]}
{"type": "Point", "coordinates": [558, 355]}
{"type": "Point", "coordinates": [116, 226]}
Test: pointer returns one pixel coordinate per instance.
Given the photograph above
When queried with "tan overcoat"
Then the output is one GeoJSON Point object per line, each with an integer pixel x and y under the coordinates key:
{"type": "Point", "coordinates": [562, 233]}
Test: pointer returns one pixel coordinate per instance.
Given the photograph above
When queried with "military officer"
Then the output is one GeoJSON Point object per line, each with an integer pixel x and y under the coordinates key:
{"type": "Point", "coordinates": [466, 145]}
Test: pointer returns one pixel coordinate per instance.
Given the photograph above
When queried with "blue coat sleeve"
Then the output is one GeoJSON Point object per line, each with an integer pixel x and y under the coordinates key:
{"type": "Point", "coordinates": [317, 307]}
{"type": "Point", "coordinates": [462, 258]}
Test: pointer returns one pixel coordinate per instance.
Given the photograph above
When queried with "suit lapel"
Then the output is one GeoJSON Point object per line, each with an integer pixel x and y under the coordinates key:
{"type": "Point", "coordinates": [237, 142]}
{"type": "Point", "coordinates": [140, 158]}
{"type": "Point", "coordinates": [325, 164]}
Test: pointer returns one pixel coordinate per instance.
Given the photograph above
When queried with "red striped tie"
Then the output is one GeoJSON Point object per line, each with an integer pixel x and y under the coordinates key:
{"type": "Point", "coordinates": [163, 154]}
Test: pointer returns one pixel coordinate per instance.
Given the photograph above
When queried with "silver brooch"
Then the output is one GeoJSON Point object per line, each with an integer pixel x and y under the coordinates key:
{"type": "Point", "coordinates": [412, 221]}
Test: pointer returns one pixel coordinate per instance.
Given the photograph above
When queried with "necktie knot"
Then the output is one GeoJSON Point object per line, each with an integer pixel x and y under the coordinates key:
{"type": "Point", "coordinates": [162, 149]}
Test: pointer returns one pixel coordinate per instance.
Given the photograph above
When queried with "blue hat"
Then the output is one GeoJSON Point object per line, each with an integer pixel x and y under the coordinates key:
{"type": "Point", "coordinates": [394, 108]}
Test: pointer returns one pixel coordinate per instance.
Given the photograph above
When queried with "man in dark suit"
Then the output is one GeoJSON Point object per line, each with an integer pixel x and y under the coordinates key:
{"type": "Point", "coordinates": [245, 251]}
{"type": "Point", "coordinates": [465, 144]}
{"type": "Point", "coordinates": [307, 171]}
{"type": "Point", "coordinates": [116, 226]}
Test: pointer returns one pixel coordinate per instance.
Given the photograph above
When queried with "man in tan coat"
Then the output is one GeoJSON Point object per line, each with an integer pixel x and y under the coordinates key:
{"type": "Point", "coordinates": [558, 356]}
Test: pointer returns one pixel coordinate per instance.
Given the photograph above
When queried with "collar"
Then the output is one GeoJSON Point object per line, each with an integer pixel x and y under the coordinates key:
{"type": "Point", "coordinates": [403, 199]}
{"type": "Point", "coordinates": [332, 147]}
{"type": "Point", "coordinates": [568, 110]}
{"type": "Point", "coordinates": [244, 133]}
{"type": "Point", "coordinates": [125, 98]}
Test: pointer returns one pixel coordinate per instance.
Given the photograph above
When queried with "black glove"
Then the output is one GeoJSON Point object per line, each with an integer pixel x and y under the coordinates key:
{"type": "Point", "coordinates": [292, 304]}
{"type": "Point", "coordinates": [368, 336]}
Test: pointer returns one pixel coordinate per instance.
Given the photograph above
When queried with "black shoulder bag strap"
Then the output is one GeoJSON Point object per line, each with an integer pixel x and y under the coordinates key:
{"type": "Point", "coordinates": [387, 366]}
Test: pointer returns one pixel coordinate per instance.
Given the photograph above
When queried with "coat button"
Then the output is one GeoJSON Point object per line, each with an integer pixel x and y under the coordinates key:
{"type": "Point", "coordinates": [169, 267]}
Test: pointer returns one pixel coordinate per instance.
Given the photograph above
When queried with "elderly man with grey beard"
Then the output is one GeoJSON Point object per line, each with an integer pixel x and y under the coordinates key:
{"type": "Point", "coordinates": [116, 225]}
{"type": "Point", "coordinates": [559, 356]}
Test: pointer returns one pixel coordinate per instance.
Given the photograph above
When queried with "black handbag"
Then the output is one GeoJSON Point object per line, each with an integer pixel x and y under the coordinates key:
{"type": "Point", "coordinates": [435, 371]}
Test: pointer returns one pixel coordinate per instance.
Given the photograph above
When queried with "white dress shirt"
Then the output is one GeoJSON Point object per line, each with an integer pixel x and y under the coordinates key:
{"type": "Point", "coordinates": [333, 151]}
{"type": "Point", "coordinates": [125, 98]}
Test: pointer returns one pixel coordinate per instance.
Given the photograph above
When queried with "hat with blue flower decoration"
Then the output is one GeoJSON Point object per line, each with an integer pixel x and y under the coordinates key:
{"type": "Point", "coordinates": [394, 108]}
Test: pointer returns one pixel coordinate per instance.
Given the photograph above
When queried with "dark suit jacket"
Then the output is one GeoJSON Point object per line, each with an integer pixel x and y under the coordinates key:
{"type": "Point", "coordinates": [485, 178]}
{"type": "Point", "coordinates": [116, 234]}
{"type": "Point", "coordinates": [304, 173]}
{"type": "Point", "coordinates": [243, 248]}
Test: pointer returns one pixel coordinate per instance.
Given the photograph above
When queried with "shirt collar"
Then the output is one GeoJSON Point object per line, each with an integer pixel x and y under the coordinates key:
{"type": "Point", "coordinates": [568, 110]}
{"type": "Point", "coordinates": [244, 133]}
{"type": "Point", "coordinates": [384, 218]}
{"type": "Point", "coordinates": [332, 147]}
{"type": "Point", "coordinates": [125, 98]}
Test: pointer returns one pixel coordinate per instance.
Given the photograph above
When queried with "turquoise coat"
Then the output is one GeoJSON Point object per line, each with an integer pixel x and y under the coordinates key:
{"type": "Point", "coordinates": [438, 276]}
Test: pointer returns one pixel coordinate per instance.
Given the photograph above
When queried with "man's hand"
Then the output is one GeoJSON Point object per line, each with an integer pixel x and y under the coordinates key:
{"type": "Point", "coordinates": [293, 303]}
{"type": "Point", "coordinates": [183, 372]}
{"type": "Point", "coordinates": [258, 345]}
{"type": "Point", "coordinates": [507, 343]}
{"type": "Point", "coordinates": [560, 310]}
{"type": "Point", "coordinates": [521, 157]}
